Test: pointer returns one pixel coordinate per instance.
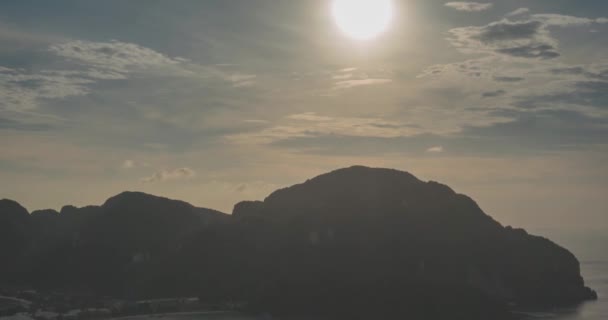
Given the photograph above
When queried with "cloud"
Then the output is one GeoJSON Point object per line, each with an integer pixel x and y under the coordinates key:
{"type": "Point", "coordinates": [587, 96]}
{"type": "Point", "coordinates": [256, 121]}
{"type": "Point", "coordinates": [551, 129]}
{"type": "Point", "coordinates": [508, 79]}
{"type": "Point", "coordinates": [132, 164]}
{"type": "Point", "coordinates": [568, 70]}
{"type": "Point", "coordinates": [83, 64]}
{"type": "Point", "coordinates": [7, 70]}
{"type": "Point", "coordinates": [507, 31]}
{"type": "Point", "coordinates": [17, 41]}
{"type": "Point", "coordinates": [595, 72]}
{"type": "Point", "coordinates": [469, 6]}
{"type": "Point", "coordinates": [530, 38]}
{"type": "Point", "coordinates": [542, 51]}
{"type": "Point", "coordinates": [518, 12]}
{"type": "Point", "coordinates": [241, 80]}
{"type": "Point", "coordinates": [241, 188]}
{"type": "Point", "coordinates": [311, 124]}
{"type": "Point", "coordinates": [523, 39]}
{"type": "Point", "coordinates": [77, 67]}
{"type": "Point", "coordinates": [475, 68]}
{"type": "Point", "coordinates": [128, 164]}
{"type": "Point", "coordinates": [529, 85]}
{"type": "Point", "coordinates": [310, 116]}
{"type": "Point", "coordinates": [559, 20]}
{"type": "Point", "coordinates": [343, 74]}
{"type": "Point", "coordinates": [225, 72]}
{"type": "Point", "coordinates": [525, 90]}
{"type": "Point", "coordinates": [349, 84]}
{"type": "Point", "coordinates": [349, 78]}
{"type": "Point", "coordinates": [167, 175]}
{"type": "Point", "coordinates": [411, 122]}
{"type": "Point", "coordinates": [493, 94]}
{"type": "Point", "coordinates": [437, 149]}
{"type": "Point", "coordinates": [13, 124]}
{"type": "Point", "coordinates": [114, 55]}
{"type": "Point", "coordinates": [22, 92]}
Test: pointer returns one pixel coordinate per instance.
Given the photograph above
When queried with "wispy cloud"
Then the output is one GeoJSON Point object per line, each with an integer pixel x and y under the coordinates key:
{"type": "Point", "coordinates": [81, 65]}
{"type": "Point", "coordinates": [348, 84]}
{"type": "Point", "coordinates": [493, 94]}
{"type": "Point", "coordinates": [311, 124]}
{"type": "Point", "coordinates": [348, 78]}
{"type": "Point", "coordinates": [522, 39]}
{"type": "Point", "coordinates": [167, 175]}
{"type": "Point", "coordinates": [128, 164]}
{"type": "Point", "coordinates": [436, 149]}
{"type": "Point", "coordinates": [518, 12]}
{"type": "Point", "coordinates": [132, 164]}
{"type": "Point", "coordinates": [508, 79]}
{"type": "Point", "coordinates": [560, 20]}
{"type": "Point", "coordinates": [256, 121]}
{"type": "Point", "coordinates": [241, 187]}
{"type": "Point", "coordinates": [469, 6]}
{"type": "Point", "coordinates": [529, 38]}
{"type": "Point", "coordinates": [22, 92]}
{"type": "Point", "coordinates": [241, 80]}
{"type": "Point", "coordinates": [115, 55]}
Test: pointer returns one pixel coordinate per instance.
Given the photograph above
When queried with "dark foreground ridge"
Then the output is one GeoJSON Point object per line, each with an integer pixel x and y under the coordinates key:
{"type": "Point", "coordinates": [352, 243]}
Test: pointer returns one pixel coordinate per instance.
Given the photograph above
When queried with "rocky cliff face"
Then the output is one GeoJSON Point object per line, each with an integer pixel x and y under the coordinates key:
{"type": "Point", "coordinates": [344, 244]}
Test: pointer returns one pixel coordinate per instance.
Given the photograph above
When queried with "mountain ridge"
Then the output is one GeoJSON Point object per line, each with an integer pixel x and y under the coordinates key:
{"type": "Point", "coordinates": [337, 237]}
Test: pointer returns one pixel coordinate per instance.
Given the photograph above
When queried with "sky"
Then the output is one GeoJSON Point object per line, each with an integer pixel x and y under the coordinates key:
{"type": "Point", "coordinates": [214, 102]}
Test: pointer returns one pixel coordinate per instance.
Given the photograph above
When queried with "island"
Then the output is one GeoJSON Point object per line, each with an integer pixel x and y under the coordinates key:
{"type": "Point", "coordinates": [354, 243]}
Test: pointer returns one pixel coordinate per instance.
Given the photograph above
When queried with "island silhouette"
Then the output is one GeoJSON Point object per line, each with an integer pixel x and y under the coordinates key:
{"type": "Point", "coordinates": [354, 243]}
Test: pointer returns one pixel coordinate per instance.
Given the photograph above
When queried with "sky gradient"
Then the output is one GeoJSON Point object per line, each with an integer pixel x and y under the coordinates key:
{"type": "Point", "coordinates": [214, 102]}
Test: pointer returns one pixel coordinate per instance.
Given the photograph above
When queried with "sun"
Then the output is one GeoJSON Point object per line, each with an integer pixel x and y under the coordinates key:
{"type": "Point", "coordinates": [363, 19]}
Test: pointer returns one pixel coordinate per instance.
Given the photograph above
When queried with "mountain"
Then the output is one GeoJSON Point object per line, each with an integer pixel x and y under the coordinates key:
{"type": "Point", "coordinates": [353, 243]}
{"type": "Point", "coordinates": [14, 234]}
{"type": "Point", "coordinates": [381, 230]}
{"type": "Point", "coordinates": [92, 248]}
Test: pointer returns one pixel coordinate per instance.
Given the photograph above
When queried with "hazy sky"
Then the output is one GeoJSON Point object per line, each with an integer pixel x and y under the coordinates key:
{"type": "Point", "coordinates": [215, 101]}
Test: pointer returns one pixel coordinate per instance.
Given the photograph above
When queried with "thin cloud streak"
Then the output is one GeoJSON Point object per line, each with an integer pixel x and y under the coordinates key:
{"type": "Point", "coordinates": [168, 175]}
{"type": "Point", "coordinates": [469, 6]}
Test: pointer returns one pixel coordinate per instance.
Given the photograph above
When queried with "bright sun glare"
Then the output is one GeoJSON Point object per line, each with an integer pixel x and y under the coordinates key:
{"type": "Point", "coordinates": [362, 19]}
